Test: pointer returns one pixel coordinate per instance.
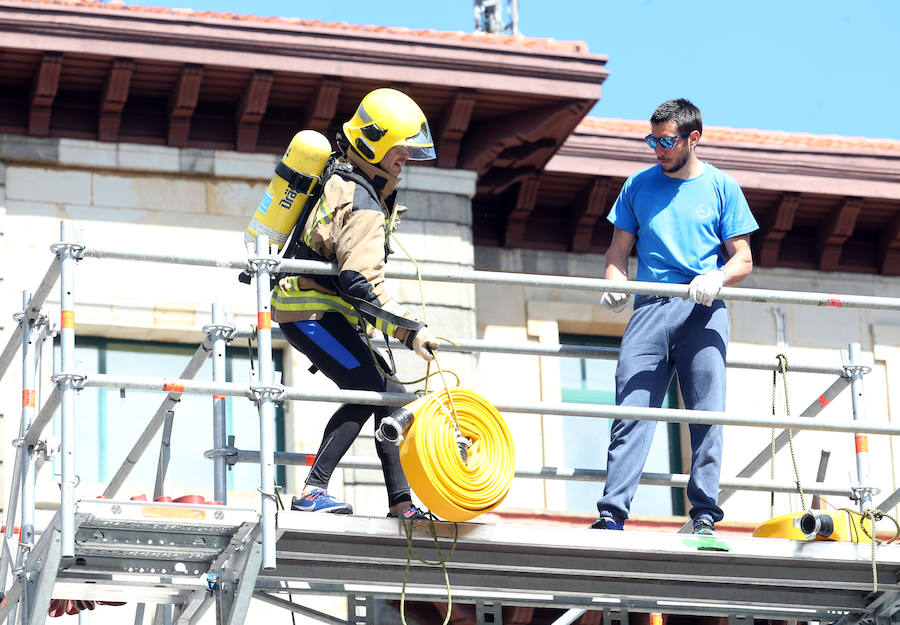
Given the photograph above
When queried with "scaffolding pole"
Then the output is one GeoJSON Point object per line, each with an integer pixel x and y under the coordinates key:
{"type": "Point", "coordinates": [265, 394]}
{"type": "Point", "coordinates": [218, 332]}
{"type": "Point", "coordinates": [67, 251]}
{"type": "Point", "coordinates": [857, 370]}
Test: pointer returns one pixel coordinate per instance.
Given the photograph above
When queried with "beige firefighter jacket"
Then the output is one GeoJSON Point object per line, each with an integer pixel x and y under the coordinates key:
{"type": "Point", "coordinates": [348, 227]}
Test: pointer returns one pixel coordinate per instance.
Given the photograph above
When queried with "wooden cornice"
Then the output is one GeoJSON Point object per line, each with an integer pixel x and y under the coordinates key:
{"type": "Point", "coordinates": [835, 231]}
{"type": "Point", "coordinates": [589, 209]}
{"type": "Point", "coordinates": [324, 104]}
{"type": "Point", "coordinates": [453, 127]}
{"type": "Point", "coordinates": [517, 219]}
{"type": "Point", "coordinates": [374, 56]}
{"type": "Point", "coordinates": [761, 167]}
{"type": "Point", "coordinates": [182, 102]}
{"type": "Point", "coordinates": [113, 98]}
{"type": "Point", "coordinates": [43, 93]}
{"type": "Point", "coordinates": [528, 139]}
{"type": "Point", "coordinates": [251, 110]}
{"type": "Point", "coordinates": [776, 225]}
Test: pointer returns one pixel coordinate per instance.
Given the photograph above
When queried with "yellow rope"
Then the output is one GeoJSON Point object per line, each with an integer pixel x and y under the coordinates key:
{"type": "Point", "coordinates": [783, 369]}
{"type": "Point", "coordinates": [441, 562]}
{"type": "Point", "coordinates": [874, 515]}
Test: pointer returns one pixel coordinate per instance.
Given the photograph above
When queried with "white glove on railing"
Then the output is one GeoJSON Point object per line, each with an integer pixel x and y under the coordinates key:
{"type": "Point", "coordinates": [616, 302]}
{"type": "Point", "coordinates": [704, 289]}
{"type": "Point", "coordinates": [424, 343]}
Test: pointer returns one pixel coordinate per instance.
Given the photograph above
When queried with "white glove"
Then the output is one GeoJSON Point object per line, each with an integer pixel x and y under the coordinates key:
{"type": "Point", "coordinates": [704, 289]}
{"type": "Point", "coordinates": [424, 343]}
{"type": "Point", "coordinates": [616, 302]}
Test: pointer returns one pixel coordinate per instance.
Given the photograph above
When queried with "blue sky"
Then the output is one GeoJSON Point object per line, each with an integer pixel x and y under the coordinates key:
{"type": "Point", "coordinates": [819, 66]}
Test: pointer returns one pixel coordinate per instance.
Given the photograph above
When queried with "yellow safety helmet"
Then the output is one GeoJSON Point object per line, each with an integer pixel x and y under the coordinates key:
{"type": "Point", "coordinates": [387, 118]}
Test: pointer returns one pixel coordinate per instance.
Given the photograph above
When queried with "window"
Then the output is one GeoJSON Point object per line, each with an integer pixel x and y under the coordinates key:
{"type": "Point", "coordinates": [592, 381]}
{"type": "Point", "coordinates": [109, 421]}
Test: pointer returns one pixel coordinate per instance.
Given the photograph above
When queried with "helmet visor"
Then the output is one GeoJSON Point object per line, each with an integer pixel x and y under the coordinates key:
{"type": "Point", "coordinates": [420, 145]}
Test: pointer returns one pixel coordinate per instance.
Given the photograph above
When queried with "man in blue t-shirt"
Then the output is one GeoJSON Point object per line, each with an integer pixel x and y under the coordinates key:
{"type": "Point", "coordinates": [679, 213]}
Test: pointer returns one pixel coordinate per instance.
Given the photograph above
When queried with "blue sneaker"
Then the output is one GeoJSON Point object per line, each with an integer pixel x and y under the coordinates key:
{"type": "Point", "coordinates": [704, 526]}
{"type": "Point", "coordinates": [320, 501]}
{"type": "Point", "coordinates": [607, 523]}
{"type": "Point", "coordinates": [411, 514]}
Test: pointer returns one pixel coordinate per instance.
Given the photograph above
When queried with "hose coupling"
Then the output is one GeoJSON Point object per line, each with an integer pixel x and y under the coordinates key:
{"type": "Point", "coordinates": [394, 427]}
{"type": "Point", "coordinates": [814, 525]}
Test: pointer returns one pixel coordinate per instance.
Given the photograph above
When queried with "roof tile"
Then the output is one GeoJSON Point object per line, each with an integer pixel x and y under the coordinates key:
{"type": "Point", "coordinates": [570, 47]}
{"type": "Point", "coordinates": [723, 134]}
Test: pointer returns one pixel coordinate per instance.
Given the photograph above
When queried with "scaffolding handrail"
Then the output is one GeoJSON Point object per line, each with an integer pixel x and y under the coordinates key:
{"type": "Point", "coordinates": [475, 276]}
{"type": "Point", "coordinates": [568, 474]}
{"type": "Point", "coordinates": [265, 393]}
{"type": "Point", "coordinates": [377, 398]}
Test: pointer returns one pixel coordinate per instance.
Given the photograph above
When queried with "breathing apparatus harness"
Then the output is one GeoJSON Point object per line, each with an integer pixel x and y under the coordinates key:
{"type": "Point", "coordinates": [340, 164]}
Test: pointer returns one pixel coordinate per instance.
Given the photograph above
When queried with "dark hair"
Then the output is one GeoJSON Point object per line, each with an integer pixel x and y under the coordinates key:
{"type": "Point", "coordinates": [685, 115]}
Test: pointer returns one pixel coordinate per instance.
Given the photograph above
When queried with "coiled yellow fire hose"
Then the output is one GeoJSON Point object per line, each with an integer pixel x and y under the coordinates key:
{"type": "Point", "coordinates": [451, 488]}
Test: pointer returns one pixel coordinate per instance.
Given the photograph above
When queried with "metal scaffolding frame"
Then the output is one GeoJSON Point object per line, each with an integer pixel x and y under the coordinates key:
{"type": "Point", "coordinates": [183, 557]}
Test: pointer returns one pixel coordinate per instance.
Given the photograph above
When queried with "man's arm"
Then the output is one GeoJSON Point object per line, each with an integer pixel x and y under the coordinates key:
{"type": "Point", "coordinates": [617, 255]}
{"type": "Point", "coordinates": [740, 259]}
{"type": "Point", "coordinates": [617, 268]}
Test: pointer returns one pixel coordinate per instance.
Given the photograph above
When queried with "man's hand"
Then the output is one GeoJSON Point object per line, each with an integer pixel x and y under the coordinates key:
{"type": "Point", "coordinates": [704, 289]}
{"type": "Point", "coordinates": [616, 302]}
{"type": "Point", "coordinates": [424, 343]}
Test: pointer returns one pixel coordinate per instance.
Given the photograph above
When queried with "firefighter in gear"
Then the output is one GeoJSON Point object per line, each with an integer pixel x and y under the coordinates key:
{"type": "Point", "coordinates": [324, 316]}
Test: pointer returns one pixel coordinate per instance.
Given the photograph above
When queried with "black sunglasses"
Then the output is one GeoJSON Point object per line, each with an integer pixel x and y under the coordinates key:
{"type": "Point", "coordinates": [667, 142]}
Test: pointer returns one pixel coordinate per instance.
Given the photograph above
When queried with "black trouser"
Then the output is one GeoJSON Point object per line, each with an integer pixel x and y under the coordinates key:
{"type": "Point", "coordinates": [336, 349]}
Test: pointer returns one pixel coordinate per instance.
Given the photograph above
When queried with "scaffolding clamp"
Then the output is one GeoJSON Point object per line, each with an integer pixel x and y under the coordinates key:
{"type": "Point", "coordinates": [229, 452]}
{"type": "Point", "coordinates": [75, 249]}
{"type": "Point", "coordinates": [77, 380]}
{"type": "Point", "coordinates": [220, 330]}
{"type": "Point", "coordinates": [863, 493]}
{"type": "Point", "coordinates": [269, 263]}
{"type": "Point", "coordinates": [38, 320]}
{"type": "Point", "coordinates": [273, 393]}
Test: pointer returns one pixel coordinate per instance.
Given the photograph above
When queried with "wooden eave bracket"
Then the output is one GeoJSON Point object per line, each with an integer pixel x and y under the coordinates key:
{"type": "Point", "coordinates": [589, 209]}
{"type": "Point", "coordinates": [43, 93]}
{"type": "Point", "coordinates": [251, 109]}
{"type": "Point", "coordinates": [517, 219]}
{"type": "Point", "coordinates": [834, 232]}
{"type": "Point", "coordinates": [453, 127]}
{"type": "Point", "coordinates": [113, 98]}
{"type": "Point", "coordinates": [324, 104]}
{"type": "Point", "coordinates": [182, 103]}
{"type": "Point", "coordinates": [890, 248]}
{"type": "Point", "coordinates": [777, 225]}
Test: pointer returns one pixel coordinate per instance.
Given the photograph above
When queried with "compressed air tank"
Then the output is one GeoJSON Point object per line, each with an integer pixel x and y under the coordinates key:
{"type": "Point", "coordinates": [287, 193]}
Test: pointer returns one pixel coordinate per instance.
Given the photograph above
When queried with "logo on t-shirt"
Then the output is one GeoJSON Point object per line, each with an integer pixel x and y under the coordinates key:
{"type": "Point", "coordinates": [702, 211]}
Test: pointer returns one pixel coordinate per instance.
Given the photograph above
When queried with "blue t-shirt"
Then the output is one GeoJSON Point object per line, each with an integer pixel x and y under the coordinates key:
{"type": "Point", "coordinates": [680, 225]}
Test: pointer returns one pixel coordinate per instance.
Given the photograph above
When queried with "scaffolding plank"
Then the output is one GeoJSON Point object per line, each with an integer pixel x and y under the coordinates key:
{"type": "Point", "coordinates": [823, 578]}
